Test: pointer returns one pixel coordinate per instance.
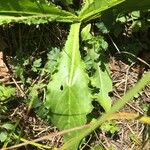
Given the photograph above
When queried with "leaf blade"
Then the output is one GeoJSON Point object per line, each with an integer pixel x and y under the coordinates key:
{"type": "Point", "coordinates": [64, 99]}
{"type": "Point", "coordinates": [93, 8]}
{"type": "Point", "coordinates": [31, 11]}
{"type": "Point", "coordinates": [102, 80]}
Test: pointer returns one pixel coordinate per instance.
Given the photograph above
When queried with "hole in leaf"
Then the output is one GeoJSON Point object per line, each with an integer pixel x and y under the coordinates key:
{"type": "Point", "coordinates": [61, 87]}
{"type": "Point", "coordinates": [93, 89]}
{"type": "Point", "coordinates": [96, 112]}
{"type": "Point", "coordinates": [111, 94]}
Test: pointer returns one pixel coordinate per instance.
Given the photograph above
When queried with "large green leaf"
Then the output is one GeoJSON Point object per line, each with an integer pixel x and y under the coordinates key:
{"type": "Point", "coordinates": [68, 96]}
{"type": "Point", "coordinates": [32, 11]}
{"type": "Point", "coordinates": [93, 8]}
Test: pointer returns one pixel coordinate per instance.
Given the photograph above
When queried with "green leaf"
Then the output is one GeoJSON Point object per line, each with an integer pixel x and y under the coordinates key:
{"type": "Point", "coordinates": [33, 97]}
{"type": "Point", "coordinates": [85, 33]}
{"type": "Point", "coordinates": [3, 136]}
{"type": "Point", "coordinates": [36, 64]}
{"type": "Point", "coordinates": [53, 58]}
{"type": "Point", "coordinates": [18, 71]}
{"type": "Point", "coordinates": [93, 8]}
{"type": "Point", "coordinates": [8, 126]}
{"type": "Point", "coordinates": [6, 92]}
{"type": "Point", "coordinates": [102, 28]}
{"type": "Point", "coordinates": [32, 12]}
{"type": "Point", "coordinates": [101, 78]}
{"type": "Point", "coordinates": [110, 126]}
{"type": "Point", "coordinates": [68, 95]}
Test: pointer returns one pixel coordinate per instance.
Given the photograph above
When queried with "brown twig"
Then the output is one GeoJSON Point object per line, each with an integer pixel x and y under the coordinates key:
{"type": "Point", "coordinates": [18, 87]}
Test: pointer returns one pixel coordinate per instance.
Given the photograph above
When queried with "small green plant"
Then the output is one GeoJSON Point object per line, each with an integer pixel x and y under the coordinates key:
{"type": "Point", "coordinates": [36, 65]}
{"type": "Point", "coordinates": [6, 92]}
{"type": "Point", "coordinates": [110, 127]}
{"type": "Point", "coordinates": [4, 131]}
